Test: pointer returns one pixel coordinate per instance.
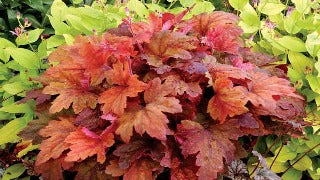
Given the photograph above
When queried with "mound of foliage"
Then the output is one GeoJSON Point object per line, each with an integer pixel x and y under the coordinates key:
{"type": "Point", "coordinates": [148, 98]}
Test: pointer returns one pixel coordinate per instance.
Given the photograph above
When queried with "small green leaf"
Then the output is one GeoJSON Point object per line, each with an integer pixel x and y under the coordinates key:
{"type": "Point", "coordinates": [271, 8]}
{"type": "Point", "coordinates": [300, 62]}
{"type": "Point", "coordinates": [17, 108]}
{"type": "Point", "coordinates": [31, 147]}
{"type": "Point", "coordinates": [8, 133]}
{"type": "Point", "coordinates": [138, 7]}
{"type": "Point", "coordinates": [68, 38]}
{"type": "Point", "coordinates": [59, 10]}
{"type": "Point", "coordinates": [250, 22]}
{"type": "Point", "coordinates": [24, 57]}
{"type": "Point", "coordinates": [4, 43]}
{"type": "Point", "coordinates": [303, 6]}
{"type": "Point", "coordinates": [186, 3]}
{"type": "Point", "coordinates": [277, 166]}
{"type": "Point", "coordinates": [14, 88]}
{"type": "Point", "coordinates": [303, 164]}
{"type": "Point", "coordinates": [238, 4]}
{"type": "Point", "coordinates": [312, 141]}
{"type": "Point", "coordinates": [285, 154]}
{"type": "Point", "coordinates": [292, 43]}
{"type": "Point", "coordinates": [290, 22]}
{"type": "Point", "coordinates": [292, 174]}
{"type": "Point", "coordinates": [13, 171]}
{"type": "Point", "coordinates": [55, 41]}
{"type": "Point", "coordinates": [29, 37]}
{"type": "Point", "coordinates": [314, 83]}
{"type": "Point", "coordinates": [59, 26]}
{"type": "Point", "coordinates": [313, 43]}
{"type": "Point", "coordinates": [202, 7]}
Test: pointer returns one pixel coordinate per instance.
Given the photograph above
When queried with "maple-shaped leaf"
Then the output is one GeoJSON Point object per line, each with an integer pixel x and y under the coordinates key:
{"type": "Point", "coordinates": [53, 168]}
{"type": "Point", "coordinates": [182, 170]}
{"type": "Point", "coordinates": [114, 169]}
{"type": "Point", "coordinates": [263, 90]}
{"type": "Point", "coordinates": [218, 70]}
{"type": "Point", "coordinates": [180, 87]}
{"type": "Point", "coordinates": [204, 22]}
{"type": "Point", "coordinates": [142, 169]}
{"type": "Point", "coordinates": [209, 152]}
{"type": "Point", "coordinates": [128, 153]}
{"type": "Point", "coordinates": [287, 108]}
{"type": "Point", "coordinates": [90, 119]}
{"type": "Point", "coordinates": [53, 147]}
{"type": "Point", "coordinates": [224, 38]}
{"type": "Point", "coordinates": [150, 118]}
{"type": "Point", "coordinates": [95, 51]}
{"type": "Point", "coordinates": [72, 86]}
{"type": "Point", "coordinates": [85, 143]}
{"type": "Point", "coordinates": [91, 170]}
{"type": "Point", "coordinates": [227, 101]}
{"type": "Point", "coordinates": [142, 31]}
{"type": "Point", "coordinates": [115, 98]}
{"type": "Point", "coordinates": [166, 44]}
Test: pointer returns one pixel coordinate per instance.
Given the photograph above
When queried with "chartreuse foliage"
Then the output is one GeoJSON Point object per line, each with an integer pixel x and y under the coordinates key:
{"type": "Point", "coordinates": [291, 33]}
{"type": "Point", "coordinates": [155, 93]}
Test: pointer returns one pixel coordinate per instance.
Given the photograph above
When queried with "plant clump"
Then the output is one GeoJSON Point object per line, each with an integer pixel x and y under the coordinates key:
{"type": "Point", "coordinates": [166, 94]}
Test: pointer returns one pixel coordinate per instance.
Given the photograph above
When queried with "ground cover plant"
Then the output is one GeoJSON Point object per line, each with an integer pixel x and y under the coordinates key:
{"type": "Point", "coordinates": [289, 31]}
{"type": "Point", "coordinates": [157, 96]}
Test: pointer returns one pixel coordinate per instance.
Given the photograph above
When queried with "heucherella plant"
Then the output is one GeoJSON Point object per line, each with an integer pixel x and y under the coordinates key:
{"type": "Point", "coordinates": [163, 94]}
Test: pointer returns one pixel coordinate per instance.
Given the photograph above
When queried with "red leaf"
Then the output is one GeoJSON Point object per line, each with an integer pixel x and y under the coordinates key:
{"type": "Point", "coordinates": [91, 170]}
{"type": "Point", "coordinates": [263, 88]}
{"type": "Point", "coordinates": [210, 154]}
{"type": "Point", "coordinates": [150, 118]}
{"type": "Point", "coordinates": [224, 38]}
{"type": "Point", "coordinates": [227, 101]}
{"type": "Point", "coordinates": [37, 95]}
{"type": "Point", "coordinates": [85, 143]}
{"type": "Point", "coordinates": [53, 147]}
{"type": "Point", "coordinates": [53, 168]}
{"type": "Point", "coordinates": [115, 98]}
{"type": "Point", "coordinates": [89, 119]}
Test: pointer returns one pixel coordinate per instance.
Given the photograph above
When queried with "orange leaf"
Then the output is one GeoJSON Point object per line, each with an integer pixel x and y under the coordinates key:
{"type": "Point", "coordinates": [72, 87]}
{"type": "Point", "coordinates": [141, 170]}
{"type": "Point", "coordinates": [263, 89]}
{"type": "Point", "coordinates": [149, 119]}
{"type": "Point", "coordinates": [204, 22]}
{"type": "Point", "coordinates": [180, 87]}
{"type": "Point", "coordinates": [115, 98]}
{"type": "Point", "coordinates": [85, 143]}
{"type": "Point", "coordinates": [53, 169]}
{"type": "Point", "coordinates": [227, 101]}
{"type": "Point", "coordinates": [165, 44]}
{"type": "Point", "coordinates": [53, 147]}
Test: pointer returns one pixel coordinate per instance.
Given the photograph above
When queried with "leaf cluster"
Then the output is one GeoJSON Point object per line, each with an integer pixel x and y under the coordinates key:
{"type": "Point", "coordinates": [163, 94]}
